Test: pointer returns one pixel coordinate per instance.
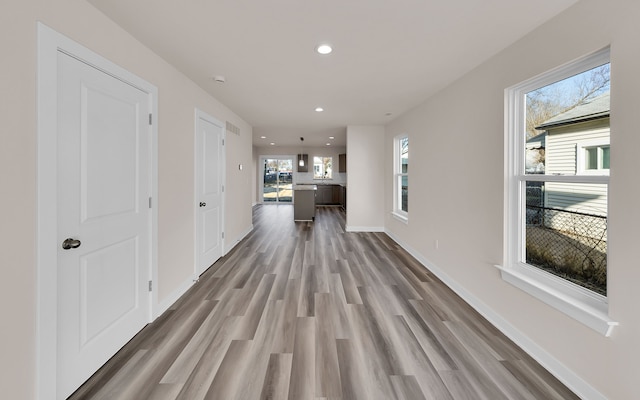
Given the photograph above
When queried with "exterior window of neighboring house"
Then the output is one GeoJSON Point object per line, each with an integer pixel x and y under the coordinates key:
{"type": "Point", "coordinates": [595, 158]}
{"type": "Point", "coordinates": [558, 157]}
{"type": "Point", "coordinates": [322, 167]}
{"type": "Point", "coordinates": [401, 178]}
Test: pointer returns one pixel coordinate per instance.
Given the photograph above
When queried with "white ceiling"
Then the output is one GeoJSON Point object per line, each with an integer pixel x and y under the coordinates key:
{"type": "Point", "coordinates": [388, 57]}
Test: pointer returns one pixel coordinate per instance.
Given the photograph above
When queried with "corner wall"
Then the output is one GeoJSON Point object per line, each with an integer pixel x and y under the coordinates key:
{"type": "Point", "coordinates": [457, 178]}
{"type": "Point", "coordinates": [366, 186]}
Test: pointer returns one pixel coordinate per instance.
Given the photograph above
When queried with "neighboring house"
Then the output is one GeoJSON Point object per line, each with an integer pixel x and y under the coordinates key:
{"type": "Point", "coordinates": [535, 149]}
{"type": "Point", "coordinates": [576, 142]}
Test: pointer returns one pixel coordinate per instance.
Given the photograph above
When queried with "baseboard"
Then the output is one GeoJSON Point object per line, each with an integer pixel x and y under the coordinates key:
{"type": "Point", "coordinates": [544, 358]}
{"type": "Point", "coordinates": [350, 228]}
{"type": "Point", "coordinates": [237, 240]}
{"type": "Point", "coordinates": [165, 304]}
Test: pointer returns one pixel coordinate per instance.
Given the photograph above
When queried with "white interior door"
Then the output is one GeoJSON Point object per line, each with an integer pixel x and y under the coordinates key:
{"type": "Point", "coordinates": [209, 190]}
{"type": "Point", "coordinates": [103, 216]}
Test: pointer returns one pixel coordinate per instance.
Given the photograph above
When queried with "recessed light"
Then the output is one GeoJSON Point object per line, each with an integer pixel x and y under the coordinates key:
{"type": "Point", "coordinates": [328, 144]}
{"type": "Point", "coordinates": [272, 144]}
{"type": "Point", "coordinates": [331, 137]}
{"type": "Point", "coordinates": [263, 137]}
{"type": "Point", "coordinates": [319, 109]}
{"type": "Point", "coordinates": [219, 79]}
{"type": "Point", "coordinates": [388, 114]}
{"type": "Point", "coordinates": [324, 49]}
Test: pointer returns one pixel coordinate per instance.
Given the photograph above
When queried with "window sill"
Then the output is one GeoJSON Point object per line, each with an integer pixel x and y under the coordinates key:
{"type": "Point", "coordinates": [400, 217]}
{"type": "Point", "coordinates": [575, 303]}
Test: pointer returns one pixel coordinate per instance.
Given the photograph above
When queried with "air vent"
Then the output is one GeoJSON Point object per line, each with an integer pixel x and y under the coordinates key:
{"type": "Point", "coordinates": [232, 128]}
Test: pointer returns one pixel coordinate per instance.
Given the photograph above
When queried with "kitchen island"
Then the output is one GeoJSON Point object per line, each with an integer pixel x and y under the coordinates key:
{"type": "Point", "coordinates": [304, 206]}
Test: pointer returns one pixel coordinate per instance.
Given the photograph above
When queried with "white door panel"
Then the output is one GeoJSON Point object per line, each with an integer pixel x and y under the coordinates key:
{"type": "Point", "coordinates": [108, 185]}
{"type": "Point", "coordinates": [209, 194]}
{"type": "Point", "coordinates": [103, 187]}
{"type": "Point", "coordinates": [211, 237]}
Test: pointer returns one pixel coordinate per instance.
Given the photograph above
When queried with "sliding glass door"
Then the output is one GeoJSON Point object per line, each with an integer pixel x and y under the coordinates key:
{"type": "Point", "coordinates": [278, 180]}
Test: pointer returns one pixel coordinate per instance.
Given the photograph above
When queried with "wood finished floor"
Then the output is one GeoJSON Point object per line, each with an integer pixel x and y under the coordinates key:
{"type": "Point", "coordinates": [307, 311]}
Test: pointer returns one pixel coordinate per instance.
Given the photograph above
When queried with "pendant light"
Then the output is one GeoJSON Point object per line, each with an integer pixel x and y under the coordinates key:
{"type": "Point", "coordinates": [300, 158]}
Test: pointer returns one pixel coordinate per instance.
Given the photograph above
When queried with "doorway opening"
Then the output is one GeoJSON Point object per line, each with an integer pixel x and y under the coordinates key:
{"type": "Point", "coordinates": [277, 180]}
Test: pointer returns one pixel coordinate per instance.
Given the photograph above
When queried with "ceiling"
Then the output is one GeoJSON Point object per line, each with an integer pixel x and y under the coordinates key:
{"type": "Point", "coordinates": [389, 56]}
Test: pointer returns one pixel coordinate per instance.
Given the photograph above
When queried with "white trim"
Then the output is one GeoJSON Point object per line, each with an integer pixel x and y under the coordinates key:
{"type": "Point", "coordinates": [587, 312]}
{"type": "Point", "coordinates": [199, 114]}
{"type": "Point", "coordinates": [603, 179]}
{"type": "Point", "coordinates": [589, 308]}
{"type": "Point", "coordinates": [575, 383]}
{"type": "Point", "coordinates": [400, 217]}
{"type": "Point", "coordinates": [50, 43]}
{"type": "Point", "coordinates": [350, 228]}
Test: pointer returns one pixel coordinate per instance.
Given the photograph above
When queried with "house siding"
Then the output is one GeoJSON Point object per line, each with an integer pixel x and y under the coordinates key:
{"type": "Point", "coordinates": [586, 198]}
{"type": "Point", "coordinates": [561, 158]}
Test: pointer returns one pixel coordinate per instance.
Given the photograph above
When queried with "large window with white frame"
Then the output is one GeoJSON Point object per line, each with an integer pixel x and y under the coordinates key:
{"type": "Point", "coordinates": [558, 157]}
{"type": "Point", "coordinates": [401, 177]}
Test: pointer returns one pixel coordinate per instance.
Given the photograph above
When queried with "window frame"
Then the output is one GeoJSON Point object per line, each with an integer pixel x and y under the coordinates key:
{"type": "Point", "coordinates": [398, 175]}
{"type": "Point", "coordinates": [582, 304]}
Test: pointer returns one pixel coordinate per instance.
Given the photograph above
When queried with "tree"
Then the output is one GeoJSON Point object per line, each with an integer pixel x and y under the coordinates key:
{"type": "Point", "coordinates": [547, 102]}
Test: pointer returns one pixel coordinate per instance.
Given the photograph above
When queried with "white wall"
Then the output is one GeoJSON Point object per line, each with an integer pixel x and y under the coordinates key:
{"type": "Point", "coordinates": [178, 97]}
{"type": "Point", "coordinates": [366, 186]}
{"type": "Point", "coordinates": [457, 178]}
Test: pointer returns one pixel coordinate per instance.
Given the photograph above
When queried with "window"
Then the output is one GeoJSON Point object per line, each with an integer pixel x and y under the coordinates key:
{"type": "Point", "coordinates": [401, 178]}
{"type": "Point", "coordinates": [597, 158]}
{"type": "Point", "coordinates": [593, 157]}
{"type": "Point", "coordinates": [556, 235]}
{"type": "Point", "coordinates": [322, 167]}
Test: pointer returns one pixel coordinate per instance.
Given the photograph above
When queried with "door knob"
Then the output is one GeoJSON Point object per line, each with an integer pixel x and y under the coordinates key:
{"type": "Point", "coordinates": [71, 243]}
{"type": "Point", "coordinates": [203, 204]}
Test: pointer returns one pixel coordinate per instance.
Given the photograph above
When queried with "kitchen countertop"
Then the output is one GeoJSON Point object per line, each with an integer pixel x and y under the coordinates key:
{"type": "Point", "coordinates": [343, 184]}
{"type": "Point", "coordinates": [304, 186]}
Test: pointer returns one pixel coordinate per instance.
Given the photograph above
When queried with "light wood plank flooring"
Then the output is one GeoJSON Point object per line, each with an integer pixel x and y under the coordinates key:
{"type": "Point", "coordinates": [306, 311]}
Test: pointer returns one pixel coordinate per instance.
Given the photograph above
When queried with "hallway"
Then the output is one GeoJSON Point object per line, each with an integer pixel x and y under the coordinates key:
{"type": "Point", "coordinates": [307, 311]}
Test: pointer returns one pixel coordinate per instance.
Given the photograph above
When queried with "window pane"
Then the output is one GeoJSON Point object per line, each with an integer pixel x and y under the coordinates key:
{"type": "Point", "coordinates": [566, 231]}
{"type": "Point", "coordinates": [401, 177]}
{"type": "Point", "coordinates": [404, 155]}
{"type": "Point", "coordinates": [285, 181]}
{"type": "Point", "coordinates": [605, 157]}
{"type": "Point", "coordinates": [322, 167]}
{"type": "Point", "coordinates": [328, 167]}
{"type": "Point", "coordinates": [560, 116]}
{"type": "Point", "coordinates": [277, 181]}
{"type": "Point", "coordinates": [404, 193]}
{"type": "Point", "coordinates": [591, 158]}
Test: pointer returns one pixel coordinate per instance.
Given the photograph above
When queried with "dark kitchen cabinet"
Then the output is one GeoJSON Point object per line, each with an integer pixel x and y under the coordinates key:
{"type": "Point", "coordinates": [329, 195]}
{"type": "Point", "coordinates": [342, 163]}
{"type": "Point", "coordinates": [336, 194]}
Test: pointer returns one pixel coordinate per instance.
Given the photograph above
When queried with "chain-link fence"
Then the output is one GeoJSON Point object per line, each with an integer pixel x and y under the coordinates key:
{"type": "Point", "coordinates": [569, 244]}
